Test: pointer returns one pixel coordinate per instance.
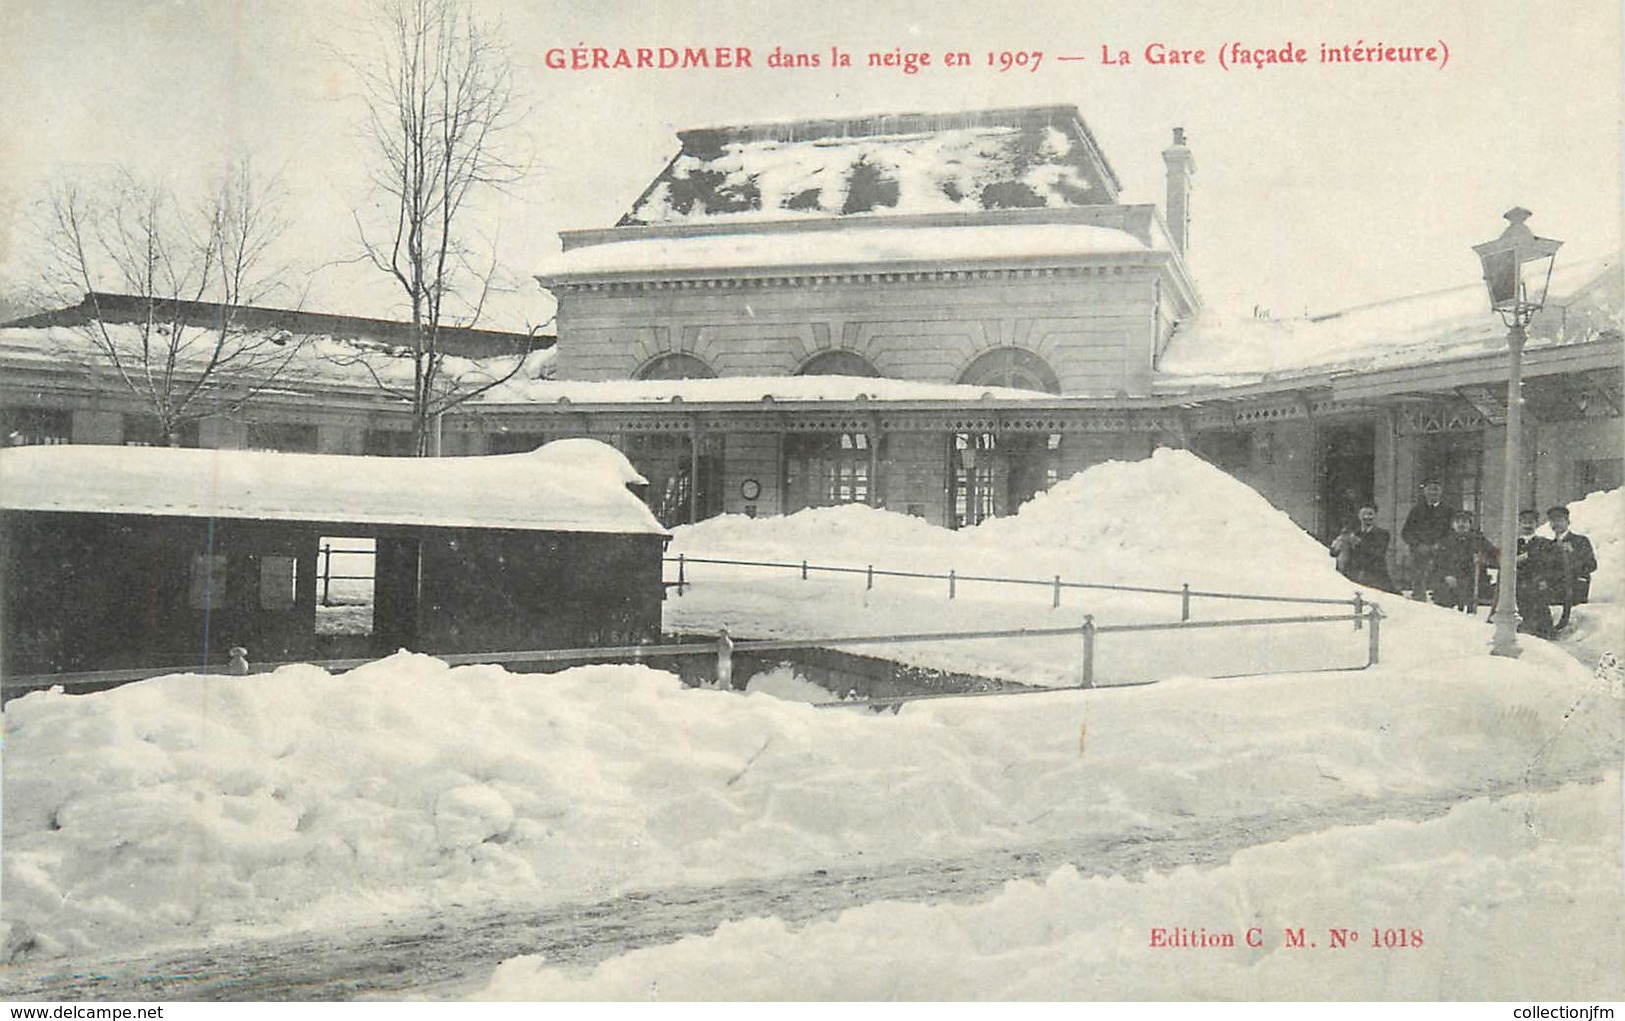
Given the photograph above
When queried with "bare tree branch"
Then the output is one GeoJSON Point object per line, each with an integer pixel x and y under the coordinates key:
{"type": "Point", "coordinates": [187, 270]}
{"type": "Point", "coordinates": [439, 93]}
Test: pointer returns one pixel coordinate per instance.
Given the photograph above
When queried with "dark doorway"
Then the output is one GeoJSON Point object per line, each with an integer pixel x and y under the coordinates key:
{"type": "Point", "coordinates": [667, 460]}
{"type": "Point", "coordinates": [979, 476]}
{"type": "Point", "coordinates": [1348, 474]}
{"type": "Point", "coordinates": [396, 594]}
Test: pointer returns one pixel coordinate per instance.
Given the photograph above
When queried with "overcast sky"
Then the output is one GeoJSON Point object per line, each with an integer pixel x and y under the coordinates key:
{"type": "Point", "coordinates": [1318, 187]}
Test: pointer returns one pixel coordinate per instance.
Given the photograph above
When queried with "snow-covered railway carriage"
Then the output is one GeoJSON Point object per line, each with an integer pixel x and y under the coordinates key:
{"type": "Point", "coordinates": [121, 557]}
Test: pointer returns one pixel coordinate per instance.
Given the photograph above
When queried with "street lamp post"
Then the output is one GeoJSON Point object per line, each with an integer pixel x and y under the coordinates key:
{"type": "Point", "coordinates": [1517, 271]}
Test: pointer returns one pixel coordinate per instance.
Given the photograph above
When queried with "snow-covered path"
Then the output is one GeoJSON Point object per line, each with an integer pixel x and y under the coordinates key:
{"type": "Point", "coordinates": [450, 954]}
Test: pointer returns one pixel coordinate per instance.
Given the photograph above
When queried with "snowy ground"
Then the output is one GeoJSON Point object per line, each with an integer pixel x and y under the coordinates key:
{"type": "Point", "coordinates": [1432, 918]}
{"type": "Point", "coordinates": [190, 810]}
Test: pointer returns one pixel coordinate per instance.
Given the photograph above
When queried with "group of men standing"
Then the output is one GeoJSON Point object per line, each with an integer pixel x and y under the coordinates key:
{"type": "Point", "coordinates": [1451, 558]}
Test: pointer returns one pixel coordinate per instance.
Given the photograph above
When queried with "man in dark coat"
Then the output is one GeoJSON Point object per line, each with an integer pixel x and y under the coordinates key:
{"type": "Point", "coordinates": [1536, 563]}
{"type": "Point", "coordinates": [1425, 528]}
{"type": "Point", "coordinates": [1463, 560]}
{"type": "Point", "coordinates": [1362, 552]}
{"type": "Point", "coordinates": [1573, 563]}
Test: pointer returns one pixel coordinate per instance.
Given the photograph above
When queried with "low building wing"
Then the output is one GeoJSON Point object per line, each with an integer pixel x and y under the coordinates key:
{"type": "Point", "coordinates": [579, 489]}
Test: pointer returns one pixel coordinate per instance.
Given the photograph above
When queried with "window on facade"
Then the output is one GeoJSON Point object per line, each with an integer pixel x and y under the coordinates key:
{"type": "Point", "coordinates": [28, 427]}
{"type": "Point", "coordinates": [826, 469]}
{"type": "Point", "coordinates": [290, 437]}
{"type": "Point", "coordinates": [279, 582]}
{"type": "Point", "coordinates": [838, 363]}
{"type": "Point", "coordinates": [388, 443]}
{"type": "Point", "coordinates": [1013, 367]}
{"type": "Point", "coordinates": [345, 569]}
{"type": "Point", "coordinates": [1456, 460]}
{"type": "Point", "coordinates": [146, 431]}
{"type": "Point", "coordinates": [676, 365]}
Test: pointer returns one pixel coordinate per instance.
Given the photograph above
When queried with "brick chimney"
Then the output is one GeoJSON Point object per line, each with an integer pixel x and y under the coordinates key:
{"type": "Point", "coordinates": [1181, 168]}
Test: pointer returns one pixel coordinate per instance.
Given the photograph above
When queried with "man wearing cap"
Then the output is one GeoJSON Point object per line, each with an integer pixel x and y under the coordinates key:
{"type": "Point", "coordinates": [1536, 563]}
{"type": "Point", "coordinates": [1573, 562]}
{"type": "Point", "coordinates": [1425, 528]}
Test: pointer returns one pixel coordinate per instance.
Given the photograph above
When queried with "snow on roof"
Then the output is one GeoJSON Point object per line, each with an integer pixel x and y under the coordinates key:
{"type": "Point", "coordinates": [576, 488]}
{"type": "Point", "coordinates": [907, 163]}
{"type": "Point", "coordinates": [885, 246]}
{"type": "Point", "coordinates": [581, 453]}
{"type": "Point", "coordinates": [1216, 347]}
{"type": "Point", "coordinates": [314, 359]}
{"type": "Point", "coordinates": [739, 389]}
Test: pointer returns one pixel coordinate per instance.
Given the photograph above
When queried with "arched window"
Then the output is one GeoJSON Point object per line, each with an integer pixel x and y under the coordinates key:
{"type": "Point", "coordinates": [676, 365]}
{"type": "Point", "coordinates": [837, 363]}
{"type": "Point", "coordinates": [1013, 367]}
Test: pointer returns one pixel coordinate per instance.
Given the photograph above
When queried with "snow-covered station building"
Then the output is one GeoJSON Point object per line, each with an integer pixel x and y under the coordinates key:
{"type": "Point", "coordinates": [942, 314]}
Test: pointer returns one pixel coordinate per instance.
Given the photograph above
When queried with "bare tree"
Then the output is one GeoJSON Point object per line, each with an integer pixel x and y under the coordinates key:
{"type": "Point", "coordinates": [440, 107]}
{"type": "Point", "coordinates": [162, 284]}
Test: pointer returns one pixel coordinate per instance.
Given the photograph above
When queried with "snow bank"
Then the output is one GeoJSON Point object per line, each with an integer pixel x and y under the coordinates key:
{"type": "Point", "coordinates": [1514, 899]}
{"type": "Point", "coordinates": [1160, 522]}
{"type": "Point", "coordinates": [1597, 630]}
{"type": "Point", "coordinates": [1600, 517]}
{"type": "Point", "coordinates": [184, 808]}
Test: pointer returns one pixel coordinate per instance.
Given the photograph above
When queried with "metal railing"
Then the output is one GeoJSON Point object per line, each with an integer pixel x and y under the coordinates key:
{"type": "Point", "coordinates": [724, 648]}
{"type": "Point", "coordinates": [1055, 584]}
{"type": "Point", "coordinates": [325, 553]}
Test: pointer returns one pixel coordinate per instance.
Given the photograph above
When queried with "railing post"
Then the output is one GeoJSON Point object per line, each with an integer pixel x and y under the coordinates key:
{"type": "Point", "coordinates": [1088, 652]}
{"type": "Point", "coordinates": [725, 661]}
{"type": "Point", "coordinates": [803, 570]}
{"type": "Point", "coordinates": [327, 573]}
{"type": "Point", "coordinates": [870, 574]}
{"type": "Point", "coordinates": [1185, 601]}
{"type": "Point", "coordinates": [1375, 614]}
{"type": "Point", "coordinates": [1359, 610]}
{"type": "Point", "coordinates": [1055, 604]}
{"type": "Point", "coordinates": [950, 583]}
{"type": "Point", "coordinates": [682, 573]}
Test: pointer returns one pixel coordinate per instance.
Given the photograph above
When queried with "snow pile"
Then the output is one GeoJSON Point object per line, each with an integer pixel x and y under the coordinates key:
{"type": "Point", "coordinates": [1597, 629]}
{"type": "Point", "coordinates": [1513, 899]}
{"type": "Point", "coordinates": [1600, 517]}
{"type": "Point", "coordinates": [185, 807]}
{"type": "Point", "coordinates": [1168, 519]}
{"type": "Point", "coordinates": [1159, 523]}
